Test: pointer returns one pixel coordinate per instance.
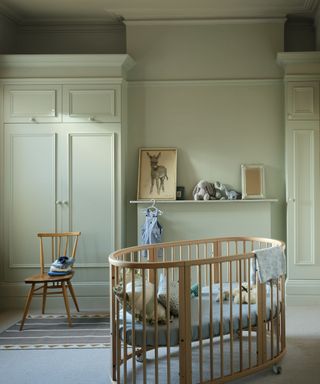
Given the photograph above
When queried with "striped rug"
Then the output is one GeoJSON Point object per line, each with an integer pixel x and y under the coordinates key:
{"type": "Point", "coordinates": [53, 332]}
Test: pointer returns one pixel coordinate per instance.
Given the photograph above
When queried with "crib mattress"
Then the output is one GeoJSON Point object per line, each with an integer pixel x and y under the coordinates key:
{"type": "Point", "coordinates": [205, 328]}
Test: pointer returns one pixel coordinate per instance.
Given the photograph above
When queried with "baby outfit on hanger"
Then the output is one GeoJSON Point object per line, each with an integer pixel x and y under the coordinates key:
{"type": "Point", "coordinates": [151, 231]}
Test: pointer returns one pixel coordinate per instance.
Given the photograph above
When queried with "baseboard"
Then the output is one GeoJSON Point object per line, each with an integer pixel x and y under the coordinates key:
{"type": "Point", "coordinates": [91, 296]}
{"type": "Point", "coordinates": [303, 292]}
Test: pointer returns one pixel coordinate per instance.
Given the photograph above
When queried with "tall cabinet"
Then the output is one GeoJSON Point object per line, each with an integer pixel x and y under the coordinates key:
{"type": "Point", "coordinates": [62, 165]}
{"type": "Point", "coordinates": [302, 81]}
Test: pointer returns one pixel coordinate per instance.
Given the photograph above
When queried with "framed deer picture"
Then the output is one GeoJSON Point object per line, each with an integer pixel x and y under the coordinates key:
{"type": "Point", "coordinates": [157, 174]}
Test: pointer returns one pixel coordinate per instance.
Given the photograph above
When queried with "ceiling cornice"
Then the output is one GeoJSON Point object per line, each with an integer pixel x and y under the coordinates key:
{"type": "Point", "coordinates": [214, 12]}
{"type": "Point", "coordinates": [204, 21]}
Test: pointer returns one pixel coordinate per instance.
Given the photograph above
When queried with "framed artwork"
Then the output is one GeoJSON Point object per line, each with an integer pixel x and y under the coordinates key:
{"type": "Point", "coordinates": [252, 180]}
{"type": "Point", "coordinates": [157, 174]}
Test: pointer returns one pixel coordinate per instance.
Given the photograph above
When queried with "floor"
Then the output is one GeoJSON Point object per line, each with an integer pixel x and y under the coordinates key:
{"type": "Point", "coordinates": [300, 365]}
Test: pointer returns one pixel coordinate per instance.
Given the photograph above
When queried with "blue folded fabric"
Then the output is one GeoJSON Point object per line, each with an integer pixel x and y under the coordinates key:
{"type": "Point", "coordinates": [63, 262]}
{"type": "Point", "coordinates": [62, 273]}
{"type": "Point", "coordinates": [62, 266]}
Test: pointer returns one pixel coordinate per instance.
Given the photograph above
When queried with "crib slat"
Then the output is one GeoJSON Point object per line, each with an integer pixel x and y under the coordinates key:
{"type": "Point", "coordinates": [133, 327]}
{"type": "Point", "coordinates": [184, 325]}
{"type": "Point", "coordinates": [231, 316]}
{"type": "Point", "coordinates": [144, 331]}
{"type": "Point", "coordinates": [114, 323]}
{"type": "Point", "coordinates": [124, 311]}
{"type": "Point", "coordinates": [200, 321]}
{"type": "Point", "coordinates": [118, 341]}
{"type": "Point", "coordinates": [240, 315]}
{"type": "Point", "coordinates": [278, 319]}
{"type": "Point", "coordinates": [168, 328]}
{"type": "Point", "coordinates": [221, 322]}
{"type": "Point", "coordinates": [156, 362]}
{"type": "Point", "coordinates": [283, 313]}
{"type": "Point", "coordinates": [248, 277]}
{"type": "Point", "coordinates": [272, 319]}
{"type": "Point", "coordinates": [211, 323]}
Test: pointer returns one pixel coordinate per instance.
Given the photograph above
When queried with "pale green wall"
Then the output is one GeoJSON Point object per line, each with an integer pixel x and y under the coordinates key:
{"type": "Point", "coordinates": [216, 124]}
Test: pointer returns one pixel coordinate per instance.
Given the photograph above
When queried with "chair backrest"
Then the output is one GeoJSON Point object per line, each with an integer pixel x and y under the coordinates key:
{"type": "Point", "coordinates": [54, 245]}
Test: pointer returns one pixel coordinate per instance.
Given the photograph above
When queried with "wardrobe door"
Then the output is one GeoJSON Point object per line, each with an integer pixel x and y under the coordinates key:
{"type": "Point", "coordinates": [91, 103]}
{"type": "Point", "coordinates": [90, 189]}
{"type": "Point", "coordinates": [35, 103]}
{"type": "Point", "coordinates": [303, 199]}
{"type": "Point", "coordinates": [30, 191]}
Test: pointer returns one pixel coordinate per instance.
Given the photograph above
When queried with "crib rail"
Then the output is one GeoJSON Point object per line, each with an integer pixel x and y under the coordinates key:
{"type": "Point", "coordinates": [212, 339]}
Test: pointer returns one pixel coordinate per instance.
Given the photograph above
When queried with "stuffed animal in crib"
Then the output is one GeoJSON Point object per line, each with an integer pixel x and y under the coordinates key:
{"type": "Point", "coordinates": [245, 294]}
{"type": "Point", "coordinates": [204, 190]}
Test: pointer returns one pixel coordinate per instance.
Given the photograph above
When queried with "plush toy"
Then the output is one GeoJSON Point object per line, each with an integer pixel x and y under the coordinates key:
{"type": "Point", "coordinates": [203, 191]}
{"type": "Point", "coordinates": [224, 192]}
{"type": "Point", "coordinates": [245, 294]}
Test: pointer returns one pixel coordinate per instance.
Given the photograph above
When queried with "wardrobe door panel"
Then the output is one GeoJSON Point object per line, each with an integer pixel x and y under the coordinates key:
{"type": "Point", "coordinates": [91, 103]}
{"type": "Point", "coordinates": [30, 195]}
{"type": "Point", "coordinates": [32, 103]}
{"type": "Point", "coordinates": [303, 100]}
{"type": "Point", "coordinates": [91, 186]}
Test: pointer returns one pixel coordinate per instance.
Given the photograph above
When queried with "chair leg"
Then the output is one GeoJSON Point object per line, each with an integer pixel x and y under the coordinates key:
{"type": "Point", "coordinates": [66, 302]}
{"type": "Point", "coordinates": [26, 308]}
{"type": "Point", "coordinates": [73, 295]}
{"type": "Point", "coordinates": [44, 297]}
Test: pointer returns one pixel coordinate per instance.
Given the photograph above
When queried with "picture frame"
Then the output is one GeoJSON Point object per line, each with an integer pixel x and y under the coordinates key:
{"type": "Point", "coordinates": [253, 181]}
{"type": "Point", "coordinates": [157, 174]}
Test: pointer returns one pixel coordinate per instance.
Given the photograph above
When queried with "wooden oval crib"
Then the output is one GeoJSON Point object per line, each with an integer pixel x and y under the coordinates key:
{"type": "Point", "coordinates": [195, 311]}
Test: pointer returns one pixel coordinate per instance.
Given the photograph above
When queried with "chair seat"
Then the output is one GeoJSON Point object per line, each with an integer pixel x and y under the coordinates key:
{"type": "Point", "coordinates": [45, 278]}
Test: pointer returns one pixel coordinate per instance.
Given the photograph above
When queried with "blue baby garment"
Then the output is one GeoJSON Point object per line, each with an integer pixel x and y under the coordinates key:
{"type": "Point", "coordinates": [151, 231]}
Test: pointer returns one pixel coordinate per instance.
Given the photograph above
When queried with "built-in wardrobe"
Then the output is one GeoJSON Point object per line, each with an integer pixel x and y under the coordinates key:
{"type": "Point", "coordinates": [301, 84]}
{"type": "Point", "coordinates": [63, 132]}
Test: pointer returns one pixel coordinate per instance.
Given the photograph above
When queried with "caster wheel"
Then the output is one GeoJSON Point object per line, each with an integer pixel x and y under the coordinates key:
{"type": "Point", "coordinates": [277, 369]}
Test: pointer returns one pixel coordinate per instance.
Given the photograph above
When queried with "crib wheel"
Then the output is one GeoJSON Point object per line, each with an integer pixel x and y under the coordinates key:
{"type": "Point", "coordinates": [276, 369]}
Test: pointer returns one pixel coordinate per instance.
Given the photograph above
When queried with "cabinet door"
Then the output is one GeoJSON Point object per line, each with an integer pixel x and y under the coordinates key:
{"type": "Point", "coordinates": [90, 153]}
{"type": "Point", "coordinates": [303, 100]}
{"type": "Point", "coordinates": [303, 200]}
{"type": "Point", "coordinates": [32, 103]}
{"type": "Point", "coordinates": [88, 103]}
{"type": "Point", "coordinates": [30, 191]}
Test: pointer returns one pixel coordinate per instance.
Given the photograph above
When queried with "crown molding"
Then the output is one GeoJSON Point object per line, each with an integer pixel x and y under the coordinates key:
{"type": "Point", "coordinates": [107, 65]}
{"type": "Point", "coordinates": [287, 58]}
{"type": "Point", "coordinates": [150, 22]}
{"type": "Point", "coordinates": [73, 27]}
{"type": "Point", "coordinates": [204, 82]}
{"type": "Point", "coordinates": [300, 65]}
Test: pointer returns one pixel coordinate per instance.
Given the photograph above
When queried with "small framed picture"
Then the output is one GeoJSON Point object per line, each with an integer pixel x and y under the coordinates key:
{"type": "Point", "coordinates": [157, 174]}
{"type": "Point", "coordinates": [253, 181]}
{"type": "Point", "coordinates": [180, 193]}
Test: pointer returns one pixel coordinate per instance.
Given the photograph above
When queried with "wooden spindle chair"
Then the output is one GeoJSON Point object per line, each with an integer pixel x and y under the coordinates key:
{"type": "Point", "coordinates": [52, 246]}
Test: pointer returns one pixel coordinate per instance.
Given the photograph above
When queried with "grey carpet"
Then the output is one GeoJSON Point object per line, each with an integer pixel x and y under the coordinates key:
{"type": "Point", "coordinates": [52, 332]}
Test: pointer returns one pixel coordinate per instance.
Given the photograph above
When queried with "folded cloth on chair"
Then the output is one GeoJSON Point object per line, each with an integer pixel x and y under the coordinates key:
{"type": "Point", "coordinates": [63, 262]}
{"type": "Point", "coordinates": [62, 273]}
{"type": "Point", "coordinates": [61, 266]}
{"type": "Point", "coordinates": [270, 264]}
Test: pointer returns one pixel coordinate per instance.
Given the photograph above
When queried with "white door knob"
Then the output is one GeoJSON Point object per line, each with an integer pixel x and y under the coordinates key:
{"type": "Point", "coordinates": [58, 202]}
{"type": "Point", "coordinates": [65, 202]}
{"type": "Point", "coordinates": [91, 118]}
